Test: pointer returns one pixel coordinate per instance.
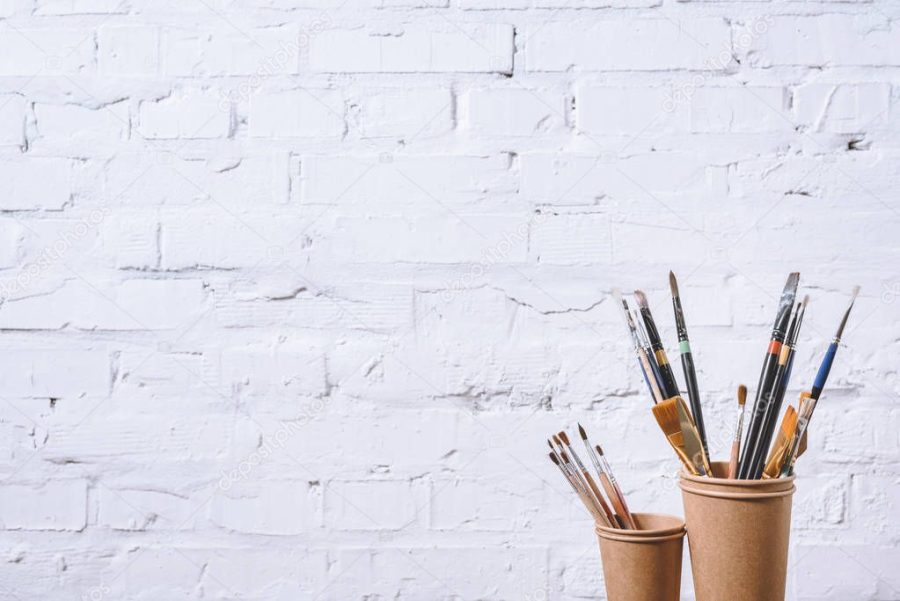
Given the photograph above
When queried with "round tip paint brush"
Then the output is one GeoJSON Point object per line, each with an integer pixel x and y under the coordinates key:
{"type": "Point", "coordinates": [738, 428]}
{"type": "Point", "coordinates": [687, 362]}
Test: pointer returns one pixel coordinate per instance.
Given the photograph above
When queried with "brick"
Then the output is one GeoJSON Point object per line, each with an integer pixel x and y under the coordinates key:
{"type": "Point", "coordinates": [39, 183]}
{"type": "Point", "coordinates": [13, 109]}
{"type": "Point", "coordinates": [371, 505]}
{"type": "Point", "coordinates": [822, 40]}
{"type": "Point", "coordinates": [59, 505]}
{"type": "Point", "coordinates": [186, 114]}
{"type": "Point", "coordinates": [299, 113]}
{"type": "Point", "coordinates": [57, 373]}
{"type": "Point", "coordinates": [69, 123]}
{"type": "Point", "coordinates": [482, 49]}
{"type": "Point", "coordinates": [637, 44]}
{"type": "Point", "coordinates": [128, 51]}
{"type": "Point", "coordinates": [843, 108]}
{"type": "Point", "coordinates": [46, 52]}
{"type": "Point", "coordinates": [257, 52]}
{"type": "Point", "coordinates": [514, 112]}
{"type": "Point", "coordinates": [274, 508]}
{"type": "Point", "coordinates": [406, 113]}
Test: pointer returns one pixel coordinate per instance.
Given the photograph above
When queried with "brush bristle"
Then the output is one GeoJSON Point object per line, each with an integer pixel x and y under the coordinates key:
{"type": "Point", "coordinates": [641, 299]}
{"type": "Point", "coordinates": [550, 444]}
{"type": "Point", "coordinates": [789, 424]}
{"type": "Point", "coordinates": [742, 395]}
{"type": "Point", "coordinates": [557, 440]}
{"type": "Point", "coordinates": [564, 437]}
{"type": "Point", "coordinates": [599, 450]}
{"type": "Point", "coordinates": [666, 414]}
{"type": "Point", "coordinates": [564, 456]}
{"type": "Point", "coordinates": [854, 294]}
{"type": "Point", "coordinates": [673, 284]}
{"type": "Point", "coordinates": [582, 432]}
{"type": "Point", "coordinates": [554, 458]}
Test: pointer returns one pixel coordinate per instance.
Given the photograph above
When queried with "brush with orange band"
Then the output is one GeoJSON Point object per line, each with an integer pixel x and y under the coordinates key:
{"type": "Point", "coordinates": [767, 377]}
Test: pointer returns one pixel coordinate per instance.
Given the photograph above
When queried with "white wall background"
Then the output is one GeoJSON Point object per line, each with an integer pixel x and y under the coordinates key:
{"type": "Point", "coordinates": [293, 291]}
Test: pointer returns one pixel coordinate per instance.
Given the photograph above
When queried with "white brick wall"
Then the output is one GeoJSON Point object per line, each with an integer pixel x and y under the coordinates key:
{"type": "Point", "coordinates": [292, 291]}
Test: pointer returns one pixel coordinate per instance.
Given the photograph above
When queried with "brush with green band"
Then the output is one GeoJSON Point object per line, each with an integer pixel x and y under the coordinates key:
{"type": "Point", "coordinates": [687, 362]}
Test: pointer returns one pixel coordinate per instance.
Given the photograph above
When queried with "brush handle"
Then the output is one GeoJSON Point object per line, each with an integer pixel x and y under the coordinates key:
{"type": "Point", "coordinates": [763, 389]}
{"type": "Point", "coordinates": [770, 416]}
{"type": "Point", "coordinates": [622, 508]}
{"type": "Point", "coordinates": [650, 376]}
{"type": "Point", "coordinates": [690, 378]}
{"type": "Point", "coordinates": [824, 369]}
{"type": "Point", "coordinates": [736, 445]}
{"type": "Point", "coordinates": [599, 496]}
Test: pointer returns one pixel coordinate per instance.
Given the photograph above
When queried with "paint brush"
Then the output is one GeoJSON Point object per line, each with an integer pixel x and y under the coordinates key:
{"type": "Point", "coordinates": [804, 413]}
{"type": "Point", "coordinates": [666, 414]}
{"type": "Point", "coordinates": [668, 384]}
{"type": "Point", "coordinates": [651, 356]}
{"type": "Point", "coordinates": [780, 448]}
{"type": "Point", "coordinates": [819, 385]}
{"type": "Point", "coordinates": [561, 438]}
{"type": "Point", "coordinates": [773, 407]}
{"type": "Point", "coordinates": [643, 358]}
{"type": "Point", "coordinates": [588, 496]}
{"type": "Point", "coordinates": [565, 472]}
{"type": "Point", "coordinates": [692, 445]}
{"type": "Point", "coordinates": [767, 375]}
{"type": "Point", "coordinates": [608, 480]}
{"type": "Point", "coordinates": [738, 428]}
{"type": "Point", "coordinates": [825, 367]}
{"type": "Point", "coordinates": [687, 362]}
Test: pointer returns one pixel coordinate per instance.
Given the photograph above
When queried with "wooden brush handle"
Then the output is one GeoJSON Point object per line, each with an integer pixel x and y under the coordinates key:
{"type": "Point", "coordinates": [599, 496]}
{"type": "Point", "coordinates": [733, 463]}
{"type": "Point", "coordinates": [613, 495]}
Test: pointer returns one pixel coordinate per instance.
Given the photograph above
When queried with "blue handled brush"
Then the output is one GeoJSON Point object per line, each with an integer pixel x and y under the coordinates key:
{"type": "Point", "coordinates": [827, 361]}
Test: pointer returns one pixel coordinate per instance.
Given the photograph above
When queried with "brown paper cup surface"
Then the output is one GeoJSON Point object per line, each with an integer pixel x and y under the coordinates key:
{"type": "Point", "coordinates": [738, 534]}
{"type": "Point", "coordinates": [643, 564]}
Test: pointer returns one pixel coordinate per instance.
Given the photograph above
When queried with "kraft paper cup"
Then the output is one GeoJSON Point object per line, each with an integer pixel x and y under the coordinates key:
{"type": "Point", "coordinates": [738, 535]}
{"type": "Point", "coordinates": [643, 564]}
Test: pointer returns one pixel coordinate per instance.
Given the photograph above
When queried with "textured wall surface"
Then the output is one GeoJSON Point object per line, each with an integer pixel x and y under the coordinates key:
{"type": "Point", "coordinates": [294, 290]}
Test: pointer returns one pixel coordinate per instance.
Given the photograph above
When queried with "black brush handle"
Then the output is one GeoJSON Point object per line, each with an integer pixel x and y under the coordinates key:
{"type": "Point", "coordinates": [770, 419]}
{"type": "Point", "coordinates": [690, 378]}
{"type": "Point", "coordinates": [763, 390]}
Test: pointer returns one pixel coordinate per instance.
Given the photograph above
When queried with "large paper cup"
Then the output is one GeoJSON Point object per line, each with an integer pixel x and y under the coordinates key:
{"type": "Point", "coordinates": [643, 564]}
{"type": "Point", "coordinates": [738, 534]}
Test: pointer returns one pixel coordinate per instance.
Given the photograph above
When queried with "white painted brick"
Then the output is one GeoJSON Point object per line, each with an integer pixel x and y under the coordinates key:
{"type": "Point", "coordinates": [740, 109]}
{"type": "Point", "coordinates": [142, 510]}
{"type": "Point", "coordinates": [45, 52]}
{"type": "Point", "coordinates": [128, 51]}
{"type": "Point", "coordinates": [614, 110]}
{"type": "Point", "coordinates": [81, 7]}
{"type": "Point", "coordinates": [371, 505]}
{"type": "Point", "coordinates": [69, 123]}
{"type": "Point", "coordinates": [632, 44]}
{"type": "Point", "coordinates": [823, 40]}
{"type": "Point", "coordinates": [406, 113]}
{"type": "Point", "coordinates": [272, 508]}
{"type": "Point", "coordinates": [484, 49]}
{"type": "Point", "coordinates": [34, 184]}
{"type": "Point", "coordinates": [59, 505]}
{"type": "Point", "coordinates": [514, 112]}
{"type": "Point", "coordinates": [257, 52]}
{"type": "Point", "coordinates": [186, 114]}
{"type": "Point", "coordinates": [13, 108]}
{"type": "Point", "coordinates": [843, 108]}
{"type": "Point", "coordinates": [302, 113]}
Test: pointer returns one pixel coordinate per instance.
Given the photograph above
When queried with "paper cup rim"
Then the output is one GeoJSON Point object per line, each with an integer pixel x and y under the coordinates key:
{"type": "Point", "coordinates": [759, 483]}
{"type": "Point", "coordinates": [675, 528]}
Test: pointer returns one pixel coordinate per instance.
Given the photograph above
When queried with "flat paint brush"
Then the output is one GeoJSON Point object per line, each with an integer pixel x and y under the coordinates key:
{"type": "Point", "coordinates": [738, 429]}
{"type": "Point", "coordinates": [767, 375]}
{"type": "Point", "coordinates": [804, 413]}
{"type": "Point", "coordinates": [608, 480]}
{"type": "Point", "coordinates": [692, 445]}
{"type": "Point", "coordinates": [782, 442]}
{"type": "Point", "coordinates": [773, 405]}
{"type": "Point", "coordinates": [666, 414]}
{"type": "Point", "coordinates": [643, 359]}
{"type": "Point", "coordinates": [687, 362]}
{"type": "Point", "coordinates": [668, 384]}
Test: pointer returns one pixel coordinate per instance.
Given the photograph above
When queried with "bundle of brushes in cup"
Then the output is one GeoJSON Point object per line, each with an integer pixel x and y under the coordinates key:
{"type": "Point", "coordinates": [607, 507]}
{"type": "Point", "coordinates": [767, 451]}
